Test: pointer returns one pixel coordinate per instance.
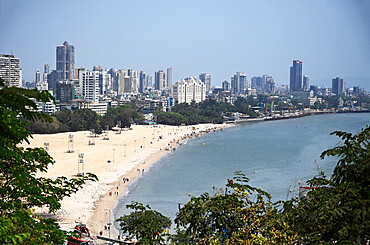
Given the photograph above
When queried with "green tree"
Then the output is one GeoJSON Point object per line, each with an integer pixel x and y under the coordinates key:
{"type": "Point", "coordinates": [337, 211]}
{"type": "Point", "coordinates": [147, 225]}
{"type": "Point", "coordinates": [240, 215]}
{"type": "Point", "coordinates": [20, 187]}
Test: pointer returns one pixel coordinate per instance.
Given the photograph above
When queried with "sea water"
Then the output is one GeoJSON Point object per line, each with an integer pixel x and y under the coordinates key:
{"type": "Point", "coordinates": [274, 155]}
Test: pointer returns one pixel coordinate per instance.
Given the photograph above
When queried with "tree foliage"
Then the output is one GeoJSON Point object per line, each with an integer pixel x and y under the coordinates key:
{"type": "Point", "coordinates": [21, 189]}
{"type": "Point", "coordinates": [147, 225]}
{"type": "Point", "coordinates": [337, 211]}
{"type": "Point", "coordinates": [241, 215]}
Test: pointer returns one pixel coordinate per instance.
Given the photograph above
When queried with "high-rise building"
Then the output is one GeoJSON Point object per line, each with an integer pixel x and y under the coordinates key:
{"type": "Point", "coordinates": [105, 82]}
{"type": "Point", "coordinates": [338, 85]}
{"type": "Point", "coordinates": [160, 80]}
{"type": "Point", "coordinates": [169, 77]}
{"type": "Point", "coordinates": [148, 81]}
{"type": "Point", "coordinates": [239, 83]}
{"type": "Point", "coordinates": [65, 91]}
{"type": "Point", "coordinates": [134, 81]}
{"type": "Point", "coordinates": [65, 62]}
{"type": "Point", "coordinates": [120, 75]}
{"type": "Point", "coordinates": [46, 72]}
{"type": "Point", "coordinates": [189, 90]}
{"type": "Point", "coordinates": [52, 78]}
{"type": "Point", "coordinates": [142, 81]}
{"type": "Point", "coordinates": [206, 79]}
{"type": "Point", "coordinates": [306, 83]}
{"type": "Point", "coordinates": [296, 76]}
{"type": "Point", "coordinates": [226, 86]}
{"type": "Point", "coordinates": [114, 85]}
{"type": "Point", "coordinates": [9, 70]}
{"type": "Point", "coordinates": [264, 80]}
{"type": "Point", "coordinates": [37, 76]}
{"type": "Point", "coordinates": [89, 85]}
{"type": "Point", "coordinates": [46, 69]}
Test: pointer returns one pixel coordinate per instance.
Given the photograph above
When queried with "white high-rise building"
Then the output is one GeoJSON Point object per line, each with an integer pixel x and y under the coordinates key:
{"type": "Point", "coordinates": [89, 85]}
{"type": "Point", "coordinates": [189, 90]}
{"type": "Point", "coordinates": [134, 81]}
{"type": "Point", "coordinates": [10, 71]}
{"type": "Point", "coordinates": [306, 83]}
{"type": "Point", "coordinates": [120, 75]}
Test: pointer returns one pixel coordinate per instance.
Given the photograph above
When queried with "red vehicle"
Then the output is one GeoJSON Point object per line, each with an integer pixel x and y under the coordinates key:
{"type": "Point", "coordinates": [77, 241]}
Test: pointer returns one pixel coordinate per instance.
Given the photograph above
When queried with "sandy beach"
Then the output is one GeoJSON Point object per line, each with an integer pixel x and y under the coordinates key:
{"type": "Point", "coordinates": [111, 157]}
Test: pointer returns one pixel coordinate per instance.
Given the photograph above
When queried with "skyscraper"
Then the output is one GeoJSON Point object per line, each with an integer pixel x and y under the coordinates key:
{"type": "Point", "coordinates": [46, 72]}
{"type": "Point", "coordinates": [239, 83]}
{"type": "Point", "coordinates": [226, 86]}
{"type": "Point", "coordinates": [296, 76]}
{"type": "Point", "coordinates": [10, 71]}
{"type": "Point", "coordinates": [206, 79]}
{"type": "Point", "coordinates": [306, 83]}
{"type": "Point", "coordinates": [169, 77]}
{"type": "Point", "coordinates": [37, 76]}
{"type": "Point", "coordinates": [134, 81]}
{"type": "Point", "coordinates": [89, 85]}
{"type": "Point", "coordinates": [46, 68]}
{"type": "Point", "coordinates": [120, 75]}
{"type": "Point", "coordinates": [142, 81]}
{"type": "Point", "coordinates": [148, 81]}
{"type": "Point", "coordinates": [160, 80]}
{"type": "Point", "coordinates": [65, 62]}
{"type": "Point", "coordinates": [338, 85]}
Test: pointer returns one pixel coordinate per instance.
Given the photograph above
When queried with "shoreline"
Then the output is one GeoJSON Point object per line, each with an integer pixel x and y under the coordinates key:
{"type": "Point", "coordinates": [292, 115]}
{"type": "Point", "coordinates": [119, 156]}
{"type": "Point", "coordinates": [105, 207]}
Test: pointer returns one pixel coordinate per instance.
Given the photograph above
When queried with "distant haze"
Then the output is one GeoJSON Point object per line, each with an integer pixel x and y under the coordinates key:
{"type": "Point", "coordinates": [331, 37]}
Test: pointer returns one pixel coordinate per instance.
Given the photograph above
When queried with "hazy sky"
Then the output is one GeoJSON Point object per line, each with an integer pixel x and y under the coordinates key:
{"type": "Point", "coordinates": [332, 38]}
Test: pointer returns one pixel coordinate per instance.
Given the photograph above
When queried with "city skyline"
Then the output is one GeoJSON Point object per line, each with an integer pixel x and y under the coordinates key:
{"type": "Point", "coordinates": [331, 38]}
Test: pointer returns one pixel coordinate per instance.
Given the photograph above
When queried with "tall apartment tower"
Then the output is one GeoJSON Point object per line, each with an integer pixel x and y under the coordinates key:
{"type": "Point", "coordinates": [65, 62]}
{"type": "Point", "coordinates": [134, 81]}
{"type": "Point", "coordinates": [148, 82]}
{"type": "Point", "coordinates": [89, 85]}
{"type": "Point", "coordinates": [142, 81]}
{"type": "Point", "coordinates": [169, 77]}
{"type": "Point", "coordinates": [120, 75]}
{"type": "Point", "coordinates": [239, 83]}
{"type": "Point", "coordinates": [46, 72]}
{"type": "Point", "coordinates": [296, 76]}
{"type": "Point", "coordinates": [206, 79]}
{"type": "Point", "coordinates": [226, 86]}
{"type": "Point", "coordinates": [189, 90]}
{"type": "Point", "coordinates": [337, 85]}
{"type": "Point", "coordinates": [37, 76]}
{"type": "Point", "coordinates": [10, 71]}
{"type": "Point", "coordinates": [160, 80]}
{"type": "Point", "coordinates": [306, 83]}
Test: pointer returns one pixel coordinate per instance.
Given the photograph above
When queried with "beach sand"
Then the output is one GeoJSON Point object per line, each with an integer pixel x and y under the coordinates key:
{"type": "Point", "coordinates": [120, 156]}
